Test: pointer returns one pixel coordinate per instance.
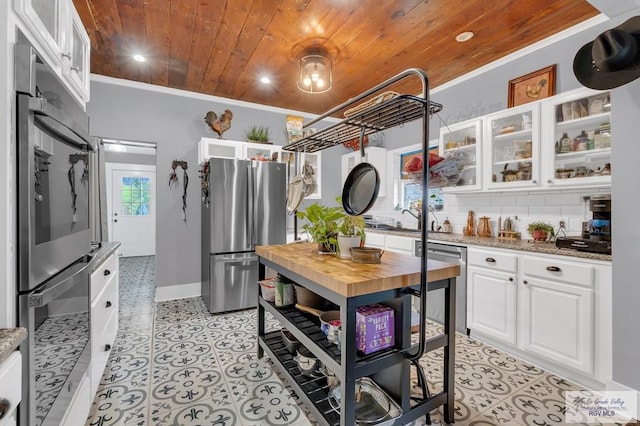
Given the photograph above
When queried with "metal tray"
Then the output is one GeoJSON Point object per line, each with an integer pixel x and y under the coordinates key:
{"type": "Point", "coordinates": [373, 405]}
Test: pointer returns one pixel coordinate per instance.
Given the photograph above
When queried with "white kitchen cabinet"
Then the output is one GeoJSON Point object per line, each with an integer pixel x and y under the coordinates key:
{"type": "Point", "coordinates": [104, 316]}
{"type": "Point", "coordinates": [491, 294]}
{"type": "Point", "coordinates": [465, 137]}
{"type": "Point", "coordinates": [58, 34]}
{"type": "Point", "coordinates": [512, 148]}
{"type": "Point", "coordinates": [557, 311]}
{"type": "Point", "coordinates": [76, 57]}
{"type": "Point", "coordinates": [373, 155]}
{"type": "Point", "coordinates": [11, 387]}
{"type": "Point", "coordinates": [394, 243]}
{"type": "Point", "coordinates": [572, 160]}
{"type": "Point", "coordinates": [222, 148]}
{"type": "Point", "coordinates": [554, 311]}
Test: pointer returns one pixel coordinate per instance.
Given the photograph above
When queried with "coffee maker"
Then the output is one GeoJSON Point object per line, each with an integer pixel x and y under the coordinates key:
{"type": "Point", "coordinates": [596, 229]}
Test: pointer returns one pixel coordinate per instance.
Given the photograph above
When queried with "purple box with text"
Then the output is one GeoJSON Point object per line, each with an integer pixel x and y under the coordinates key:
{"type": "Point", "coordinates": [374, 328]}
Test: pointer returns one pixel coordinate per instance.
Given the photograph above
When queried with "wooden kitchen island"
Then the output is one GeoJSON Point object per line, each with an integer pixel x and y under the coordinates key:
{"type": "Point", "coordinates": [350, 285]}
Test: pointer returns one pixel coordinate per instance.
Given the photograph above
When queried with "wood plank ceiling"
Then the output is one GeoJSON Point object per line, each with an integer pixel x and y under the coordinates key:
{"type": "Point", "coordinates": [223, 47]}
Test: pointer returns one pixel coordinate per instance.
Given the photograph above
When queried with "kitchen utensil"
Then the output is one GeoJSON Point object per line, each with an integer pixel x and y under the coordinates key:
{"type": "Point", "coordinates": [508, 225]}
{"type": "Point", "coordinates": [308, 364]}
{"type": "Point", "coordinates": [289, 340]}
{"type": "Point", "coordinates": [372, 405]}
{"type": "Point", "coordinates": [484, 227]}
{"type": "Point", "coordinates": [332, 379]}
{"type": "Point", "coordinates": [325, 317]}
{"type": "Point", "coordinates": [366, 254]}
{"type": "Point", "coordinates": [306, 297]}
{"type": "Point", "coordinates": [361, 187]}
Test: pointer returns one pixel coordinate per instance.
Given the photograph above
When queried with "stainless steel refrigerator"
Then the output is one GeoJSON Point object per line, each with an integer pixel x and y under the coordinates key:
{"type": "Point", "coordinates": [243, 205]}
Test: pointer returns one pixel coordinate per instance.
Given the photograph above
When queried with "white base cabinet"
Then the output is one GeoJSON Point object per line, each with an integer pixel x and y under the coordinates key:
{"type": "Point", "coordinates": [491, 294]}
{"type": "Point", "coordinates": [104, 316]}
{"type": "Point", "coordinates": [553, 311]}
{"type": "Point", "coordinates": [394, 243]}
{"type": "Point", "coordinates": [11, 387]}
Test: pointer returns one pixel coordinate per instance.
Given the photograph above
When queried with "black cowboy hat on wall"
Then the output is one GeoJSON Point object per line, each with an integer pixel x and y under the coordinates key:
{"type": "Point", "coordinates": [612, 59]}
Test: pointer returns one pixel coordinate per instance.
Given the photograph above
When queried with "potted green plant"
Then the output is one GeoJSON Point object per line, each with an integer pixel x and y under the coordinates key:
{"type": "Point", "coordinates": [322, 225]}
{"type": "Point", "coordinates": [257, 134]}
{"type": "Point", "coordinates": [350, 234]}
{"type": "Point", "coordinates": [540, 231]}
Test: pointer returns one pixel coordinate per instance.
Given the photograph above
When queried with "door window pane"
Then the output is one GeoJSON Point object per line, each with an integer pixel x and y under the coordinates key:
{"type": "Point", "coordinates": [135, 195]}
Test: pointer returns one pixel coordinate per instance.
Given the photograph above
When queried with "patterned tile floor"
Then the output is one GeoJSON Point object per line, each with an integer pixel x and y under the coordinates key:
{"type": "Point", "coordinates": [174, 363]}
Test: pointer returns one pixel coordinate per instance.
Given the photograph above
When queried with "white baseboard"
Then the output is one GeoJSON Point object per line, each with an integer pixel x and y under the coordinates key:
{"type": "Point", "coordinates": [180, 291]}
{"type": "Point", "coordinates": [615, 386]}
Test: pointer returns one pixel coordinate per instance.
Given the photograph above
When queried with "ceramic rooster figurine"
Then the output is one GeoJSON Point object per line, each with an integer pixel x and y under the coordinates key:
{"type": "Point", "coordinates": [219, 125]}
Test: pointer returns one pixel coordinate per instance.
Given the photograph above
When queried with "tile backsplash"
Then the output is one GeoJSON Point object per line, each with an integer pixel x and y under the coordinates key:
{"type": "Point", "coordinates": [522, 207]}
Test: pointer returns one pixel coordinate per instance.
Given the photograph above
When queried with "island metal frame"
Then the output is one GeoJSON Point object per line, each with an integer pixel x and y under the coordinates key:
{"type": "Point", "coordinates": [389, 365]}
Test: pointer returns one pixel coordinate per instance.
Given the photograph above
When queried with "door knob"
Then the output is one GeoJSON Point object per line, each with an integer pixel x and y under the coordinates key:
{"type": "Point", "coordinates": [107, 347]}
{"type": "Point", "coordinates": [107, 272]}
{"type": "Point", "coordinates": [115, 220]}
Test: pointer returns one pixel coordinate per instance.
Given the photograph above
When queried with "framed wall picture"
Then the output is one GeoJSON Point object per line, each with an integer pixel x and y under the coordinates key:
{"type": "Point", "coordinates": [534, 86]}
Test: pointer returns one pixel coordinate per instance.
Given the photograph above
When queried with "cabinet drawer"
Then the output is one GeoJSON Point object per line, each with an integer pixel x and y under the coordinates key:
{"type": "Point", "coordinates": [492, 260]}
{"type": "Point", "coordinates": [103, 273]}
{"type": "Point", "coordinates": [11, 382]}
{"type": "Point", "coordinates": [375, 240]}
{"type": "Point", "coordinates": [558, 270]}
{"type": "Point", "coordinates": [104, 306]}
{"type": "Point", "coordinates": [399, 244]}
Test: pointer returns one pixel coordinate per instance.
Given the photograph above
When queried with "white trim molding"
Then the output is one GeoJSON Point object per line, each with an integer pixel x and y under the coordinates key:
{"type": "Point", "coordinates": [178, 291]}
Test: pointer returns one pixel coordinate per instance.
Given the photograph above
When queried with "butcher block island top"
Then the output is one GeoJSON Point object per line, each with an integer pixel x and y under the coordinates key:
{"type": "Point", "coordinates": [348, 278]}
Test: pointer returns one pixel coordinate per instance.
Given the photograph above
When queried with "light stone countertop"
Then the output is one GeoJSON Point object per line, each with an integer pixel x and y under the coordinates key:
{"type": "Point", "coordinates": [10, 339]}
{"type": "Point", "coordinates": [524, 244]}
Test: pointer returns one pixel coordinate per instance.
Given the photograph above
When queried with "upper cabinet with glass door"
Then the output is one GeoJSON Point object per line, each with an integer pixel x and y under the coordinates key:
{"type": "Point", "coordinates": [577, 141]}
{"type": "Point", "coordinates": [512, 147]}
{"type": "Point", "coordinates": [464, 138]}
{"type": "Point", "coordinates": [59, 36]}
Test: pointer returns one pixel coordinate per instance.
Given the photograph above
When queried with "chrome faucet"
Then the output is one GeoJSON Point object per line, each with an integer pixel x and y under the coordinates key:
{"type": "Point", "coordinates": [417, 216]}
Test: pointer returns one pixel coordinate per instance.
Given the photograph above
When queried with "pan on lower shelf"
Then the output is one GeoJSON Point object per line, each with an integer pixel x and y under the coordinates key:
{"type": "Point", "coordinates": [373, 405]}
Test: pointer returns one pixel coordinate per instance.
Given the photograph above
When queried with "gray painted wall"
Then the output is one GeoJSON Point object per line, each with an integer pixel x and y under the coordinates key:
{"type": "Point", "coordinates": [129, 158]}
{"type": "Point", "coordinates": [175, 124]}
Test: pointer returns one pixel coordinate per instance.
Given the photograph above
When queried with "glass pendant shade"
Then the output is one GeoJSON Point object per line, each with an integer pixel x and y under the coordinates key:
{"type": "Point", "coordinates": [316, 74]}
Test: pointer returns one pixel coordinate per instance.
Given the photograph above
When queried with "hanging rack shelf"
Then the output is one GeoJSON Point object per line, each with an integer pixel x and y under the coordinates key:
{"type": "Point", "coordinates": [390, 113]}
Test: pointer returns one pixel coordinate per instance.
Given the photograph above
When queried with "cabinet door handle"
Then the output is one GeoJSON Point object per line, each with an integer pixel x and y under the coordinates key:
{"type": "Point", "coordinates": [534, 181]}
{"type": "Point", "coordinates": [549, 181]}
{"type": "Point", "coordinates": [490, 260]}
{"type": "Point", "coordinates": [5, 405]}
{"type": "Point", "coordinates": [511, 279]}
{"type": "Point", "coordinates": [553, 269]}
{"type": "Point", "coordinates": [76, 69]}
{"type": "Point", "coordinates": [66, 55]}
{"type": "Point", "coordinates": [107, 272]}
{"type": "Point", "coordinates": [525, 282]}
{"type": "Point", "coordinates": [108, 304]}
{"type": "Point", "coordinates": [107, 347]}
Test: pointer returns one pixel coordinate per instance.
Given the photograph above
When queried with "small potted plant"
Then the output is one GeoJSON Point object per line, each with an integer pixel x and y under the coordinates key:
{"type": "Point", "coordinates": [350, 233]}
{"type": "Point", "coordinates": [258, 134]}
{"type": "Point", "coordinates": [322, 225]}
{"type": "Point", "coordinates": [540, 231]}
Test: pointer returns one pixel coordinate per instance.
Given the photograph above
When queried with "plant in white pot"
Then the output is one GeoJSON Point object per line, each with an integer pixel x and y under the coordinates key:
{"type": "Point", "coordinates": [350, 233]}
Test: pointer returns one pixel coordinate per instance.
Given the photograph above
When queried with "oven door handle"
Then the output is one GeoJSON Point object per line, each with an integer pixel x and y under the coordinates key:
{"type": "Point", "coordinates": [46, 117]}
{"type": "Point", "coordinates": [61, 283]}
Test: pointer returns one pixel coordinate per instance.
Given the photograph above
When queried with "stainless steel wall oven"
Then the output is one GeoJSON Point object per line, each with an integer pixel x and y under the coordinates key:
{"type": "Point", "coordinates": [54, 238]}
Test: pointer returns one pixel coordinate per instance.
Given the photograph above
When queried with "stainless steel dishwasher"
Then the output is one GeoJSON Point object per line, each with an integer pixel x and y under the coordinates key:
{"type": "Point", "coordinates": [435, 299]}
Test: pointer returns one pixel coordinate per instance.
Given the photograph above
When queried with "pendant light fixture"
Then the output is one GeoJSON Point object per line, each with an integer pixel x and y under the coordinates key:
{"type": "Point", "coordinates": [316, 74]}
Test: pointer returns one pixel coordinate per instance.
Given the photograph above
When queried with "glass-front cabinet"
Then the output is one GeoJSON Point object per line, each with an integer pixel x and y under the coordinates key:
{"type": "Point", "coordinates": [512, 148]}
{"type": "Point", "coordinates": [464, 138]}
{"type": "Point", "coordinates": [577, 140]}
{"type": "Point", "coordinates": [45, 20]}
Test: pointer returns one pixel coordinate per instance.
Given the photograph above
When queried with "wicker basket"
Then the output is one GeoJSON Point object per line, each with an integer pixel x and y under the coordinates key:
{"type": "Point", "coordinates": [447, 172]}
{"type": "Point", "coordinates": [371, 102]}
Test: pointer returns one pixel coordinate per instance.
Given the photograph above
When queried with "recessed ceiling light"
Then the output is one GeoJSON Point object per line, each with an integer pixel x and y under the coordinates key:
{"type": "Point", "coordinates": [465, 36]}
{"type": "Point", "coordinates": [265, 80]}
{"type": "Point", "coordinates": [139, 58]}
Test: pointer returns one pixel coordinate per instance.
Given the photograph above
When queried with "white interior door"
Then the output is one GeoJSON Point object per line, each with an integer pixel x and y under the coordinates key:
{"type": "Point", "coordinates": [131, 206]}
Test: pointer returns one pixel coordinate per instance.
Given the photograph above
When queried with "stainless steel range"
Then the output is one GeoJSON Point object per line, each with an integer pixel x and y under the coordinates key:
{"type": "Point", "coordinates": [54, 239]}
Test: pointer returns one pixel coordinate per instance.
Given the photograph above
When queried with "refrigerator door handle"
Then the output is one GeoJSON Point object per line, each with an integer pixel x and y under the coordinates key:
{"type": "Point", "coordinates": [251, 202]}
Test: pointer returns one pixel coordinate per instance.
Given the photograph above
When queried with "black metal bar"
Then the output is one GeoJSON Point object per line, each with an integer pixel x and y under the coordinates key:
{"type": "Point", "coordinates": [449, 350]}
